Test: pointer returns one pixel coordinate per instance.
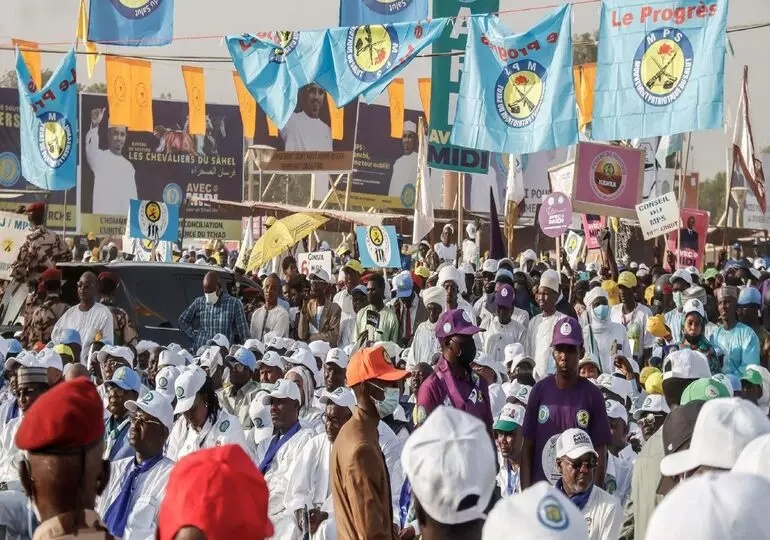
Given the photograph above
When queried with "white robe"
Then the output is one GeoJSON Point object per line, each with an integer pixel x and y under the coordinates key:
{"type": "Point", "coordinates": [539, 336]}
{"type": "Point", "coordinates": [114, 178]}
{"type": "Point", "coordinates": [498, 335]}
{"type": "Point", "coordinates": [638, 318]}
{"type": "Point", "coordinates": [446, 253]}
{"type": "Point", "coordinates": [404, 175]}
{"type": "Point", "coordinates": [303, 133]}
{"type": "Point", "coordinates": [617, 477]}
{"type": "Point", "coordinates": [184, 439]}
{"type": "Point", "coordinates": [146, 496]}
{"type": "Point", "coordinates": [10, 456]}
{"type": "Point", "coordinates": [598, 338]}
{"type": "Point", "coordinates": [603, 514]}
{"type": "Point", "coordinates": [424, 345]}
{"type": "Point", "coordinates": [97, 320]}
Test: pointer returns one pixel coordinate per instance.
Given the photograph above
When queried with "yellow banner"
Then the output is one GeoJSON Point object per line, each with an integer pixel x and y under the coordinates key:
{"type": "Point", "coordinates": [141, 96]}
{"type": "Point", "coordinates": [247, 105]}
{"type": "Point", "coordinates": [31, 59]}
{"type": "Point", "coordinates": [272, 129]}
{"type": "Point", "coordinates": [93, 57]}
{"type": "Point", "coordinates": [337, 118]}
{"type": "Point", "coordinates": [396, 95]}
{"type": "Point", "coordinates": [118, 91]}
{"type": "Point", "coordinates": [585, 83]}
{"type": "Point", "coordinates": [196, 99]}
{"type": "Point", "coordinates": [424, 85]}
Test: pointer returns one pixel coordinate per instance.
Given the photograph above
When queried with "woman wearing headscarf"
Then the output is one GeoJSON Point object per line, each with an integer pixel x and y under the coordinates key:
{"type": "Point", "coordinates": [694, 333]}
{"type": "Point", "coordinates": [425, 344]}
{"type": "Point", "coordinates": [603, 338]}
{"type": "Point", "coordinates": [309, 416]}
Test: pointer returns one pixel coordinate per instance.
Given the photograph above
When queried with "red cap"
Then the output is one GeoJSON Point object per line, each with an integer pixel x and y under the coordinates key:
{"type": "Point", "coordinates": [219, 491]}
{"type": "Point", "coordinates": [108, 276]}
{"type": "Point", "coordinates": [36, 207]}
{"type": "Point", "coordinates": [48, 424]}
{"type": "Point", "coordinates": [417, 280]}
{"type": "Point", "coordinates": [52, 274]}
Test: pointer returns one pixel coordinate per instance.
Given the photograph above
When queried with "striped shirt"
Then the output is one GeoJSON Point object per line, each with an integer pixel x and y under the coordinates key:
{"type": "Point", "coordinates": [225, 317]}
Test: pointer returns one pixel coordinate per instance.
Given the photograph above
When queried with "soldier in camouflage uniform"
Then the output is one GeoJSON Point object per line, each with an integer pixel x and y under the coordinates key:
{"type": "Point", "coordinates": [41, 250]}
{"type": "Point", "coordinates": [124, 328]}
{"type": "Point", "coordinates": [42, 318]}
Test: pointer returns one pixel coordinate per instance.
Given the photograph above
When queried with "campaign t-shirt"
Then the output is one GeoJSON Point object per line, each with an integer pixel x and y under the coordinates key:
{"type": "Point", "coordinates": [551, 410]}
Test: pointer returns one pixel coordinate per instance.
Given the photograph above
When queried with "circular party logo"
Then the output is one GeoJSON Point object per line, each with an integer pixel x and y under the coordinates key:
{"type": "Point", "coordinates": [608, 176]}
{"type": "Point", "coordinates": [370, 50]}
{"type": "Point", "coordinates": [285, 42]}
{"type": "Point", "coordinates": [137, 9]}
{"type": "Point", "coordinates": [519, 92]}
{"type": "Point", "coordinates": [54, 139]}
{"type": "Point", "coordinates": [662, 66]}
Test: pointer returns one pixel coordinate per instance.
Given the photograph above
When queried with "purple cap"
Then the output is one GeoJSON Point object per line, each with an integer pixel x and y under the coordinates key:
{"type": "Point", "coordinates": [504, 296]}
{"type": "Point", "coordinates": [454, 322]}
{"type": "Point", "coordinates": [567, 332]}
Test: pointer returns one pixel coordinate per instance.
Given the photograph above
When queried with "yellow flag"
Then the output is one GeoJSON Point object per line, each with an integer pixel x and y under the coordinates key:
{"type": "Point", "coordinates": [424, 85]}
{"type": "Point", "coordinates": [31, 59]}
{"type": "Point", "coordinates": [247, 105]}
{"type": "Point", "coordinates": [141, 96]}
{"type": "Point", "coordinates": [585, 83]}
{"type": "Point", "coordinates": [196, 99]}
{"type": "Point", "coordinates": [337, 118]}
{"type": "Point", "coordinates": [119, 91]}
{"type": "Point", "coordinates": [272, 129]}
{"type": "Point", "coordinates": [93, 53]}
{"type": "Point", "coordinates": [396, 95]}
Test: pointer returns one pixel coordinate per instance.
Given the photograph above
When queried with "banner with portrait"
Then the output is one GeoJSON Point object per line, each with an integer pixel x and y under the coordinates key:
{"type": "Point", "coordinates": [691, 246]}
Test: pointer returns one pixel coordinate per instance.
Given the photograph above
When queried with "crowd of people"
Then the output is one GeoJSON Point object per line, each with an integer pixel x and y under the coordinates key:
{"type": "Point", "coordinates": [452, 399]}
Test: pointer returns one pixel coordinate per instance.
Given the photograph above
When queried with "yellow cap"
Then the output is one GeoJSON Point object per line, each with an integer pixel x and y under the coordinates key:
{"type": "Point", "coordinates": [353, 264]}
{"type": "Point", "coordinates": [91, 236]}
{"type": "Point", "coordinates": [422, 271]}
{"type": "Point", "coordinates": [627, 279]}
{"type": "Point", "coordinates": [649, 292]}
{"type": "Point", "coordinates": [342, 249]}
{"type": "Point", "coordinates": [64, 349]}
{"type": "Point", "coordinates": [612, 291]}
{"type": "Point", "coordinates": [269, 221]}
{"type": "Point", "coordinates": [95, 253]}
{"type": "Point", "coordinates": [646, 372]}
{"type": "Point", "coordinates": [654, 384]}
{"type": "Point", "coordinates": [656, 325]}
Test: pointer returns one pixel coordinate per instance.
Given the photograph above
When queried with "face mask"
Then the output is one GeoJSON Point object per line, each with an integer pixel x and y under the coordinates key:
{"type": "Point", "coordinates": [468, 353]}
{"type": "Point", "coordinates": [211, 297]}
{"type": "Point", "coordinates": [692, 340]}
{"type": "Point", "coordinates": [602, 312]}
{"type": "Point", "coordinates": [389, 402]}
{"type": "Point", "coordinates": [678, 299]}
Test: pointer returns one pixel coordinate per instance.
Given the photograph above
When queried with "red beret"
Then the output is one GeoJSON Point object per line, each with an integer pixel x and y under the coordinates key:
{"type": "Point", "coordinates": [108, 276]}
{"type": "Point", "coordinates": [417, 280]}
{"type": "Point", "coordinates": [69, 416]}
{"type": "Point", "coordinates": [36, 207]}
{"type": "Point", "coordinates": [219, 491]}
{"type": "Point", "coordinates": [52, 274]}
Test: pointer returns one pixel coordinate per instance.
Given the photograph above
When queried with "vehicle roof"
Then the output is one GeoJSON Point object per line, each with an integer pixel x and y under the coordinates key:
{"type": "Point", "coordinates": [174, 266]}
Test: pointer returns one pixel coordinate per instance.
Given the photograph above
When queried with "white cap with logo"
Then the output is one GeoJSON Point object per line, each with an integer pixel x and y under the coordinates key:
{"type": "Point", "coordinates": [574, 443]}
{"type": "Point", "coordinates": [450, 461]}
{"type": "Point", "coordinates": [342, 396]}
{"type": "Point", "coordinates": [686, 364]}
{"type": "Point", "coordinates": [616, 410]}
{"type": "Point", "coordinates": [337, 357]}
{"type": "Point", "coordinates": [284, 389]}
{"type": "Point", "coordinates": [116, 352]}
{"type": "Point", "coordinates": [165, 381]}
{"type": "Point", "coordinates": [156, 406]}
{"type": "Point", "coordinates": [541, 512]}
{"type": "Point", "coordinates": [170, 358]}
{"type": "Point", "coordinates": [259, 413]}
{"type": "Point", "coordinates": [187, 385]}
{"type": "Point", "coordinates": [755, 458]}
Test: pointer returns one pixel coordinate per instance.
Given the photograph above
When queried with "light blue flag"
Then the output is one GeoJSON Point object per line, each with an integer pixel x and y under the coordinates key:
{"type": "Point", "coordinates": [378, 247]}
{"type": "Point", "coordinates": [367, 58]}
{"type": "Point", "coordinates": [517, 94]}
{"type": "Point", "coordinates": [660, 68]}
{"type": "Point", "coordinates": [153, 220]}
{"type": "Point", "coordinates": [49, 126]}
{"type": "Point", "coordinates": [131, 22]}
{"type": "Point", "coordinates": [261, 62]}
{"type": "Point", "coordinates": [358, 12]}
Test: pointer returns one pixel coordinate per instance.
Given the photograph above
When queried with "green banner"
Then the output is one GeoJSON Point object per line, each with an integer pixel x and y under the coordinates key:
{"type": "Point", "coordinates": [446, 74]}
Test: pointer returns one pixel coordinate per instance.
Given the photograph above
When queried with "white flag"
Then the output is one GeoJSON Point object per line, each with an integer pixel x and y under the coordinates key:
{"type": "Point", "coordinates": [514, 191]}
{"type": "Point", "coordinates": [423, 205]}
{"type": "Point", "coordinates": [744, 158]}
{"type": "Point", "coordinates": [246, 245]}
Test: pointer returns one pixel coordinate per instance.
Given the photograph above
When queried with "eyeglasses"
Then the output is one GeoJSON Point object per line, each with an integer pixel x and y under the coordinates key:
{"type": "Point", "coordinates": [236, 366]}
{"type": "Point", "coordinates": [589, 462]}
{"type": "Point", "coordinates": [142, 421]}
{"type": "Point", "coordinates": [113, 363]}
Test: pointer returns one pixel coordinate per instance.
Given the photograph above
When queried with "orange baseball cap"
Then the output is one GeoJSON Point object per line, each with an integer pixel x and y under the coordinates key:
{"type": "Point", "coordinates": [372, 363]}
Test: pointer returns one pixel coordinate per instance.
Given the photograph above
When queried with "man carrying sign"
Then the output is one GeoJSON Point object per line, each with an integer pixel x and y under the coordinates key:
{"type": "Point", "coordinates": [319, 319]}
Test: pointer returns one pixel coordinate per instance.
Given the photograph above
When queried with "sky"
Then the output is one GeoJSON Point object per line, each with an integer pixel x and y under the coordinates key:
{"type": "Point", "coordinates": [49, 21]}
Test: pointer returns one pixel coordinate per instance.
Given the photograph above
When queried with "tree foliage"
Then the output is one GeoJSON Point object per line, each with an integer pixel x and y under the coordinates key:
{"type": "Point", "coordinates": [711, 196]}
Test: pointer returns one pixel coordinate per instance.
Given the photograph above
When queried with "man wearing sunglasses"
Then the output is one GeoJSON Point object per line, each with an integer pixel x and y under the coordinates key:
{"type": "Point", "coordinates": [576, 460]}
{"type": "Point", "coordinates": [123, 387]}
{"type": "Point", "coordinates": [137, 484]}
{"type": "Point", "coordinates": [237, 398]}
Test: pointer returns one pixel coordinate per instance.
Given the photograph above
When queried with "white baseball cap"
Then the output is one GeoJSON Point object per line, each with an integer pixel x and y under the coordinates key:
{"type": "Point", "coordinates": [588, 359]}
{"type": "Point", "coordinates": [259, 413]}
{"type": "Point", "coordinates": [550, 280]}
{"type": "Point", "coordinates": [681, 274]}
{"type": "Point", "coordinates": [212, 357]}
{"type": "Point", "coordinates": [337, 357]}
{"type": "Point", "coordinates": [722, 430]}
{"type": "Point", "coordinates": [529, 255]}
{"type": "Point", "coordinates": [654, 403]}
{"type": "Point", "coordinates": [616, 410]}
{"type": "Point", "coordinates": [219, 339]}
{"type": "Point", "coordinates": [522, 394]}
{"type": "Point", "coordinates": [489, 266]}
{"type": "Point", "coordinates": [170, 358]}
{"type": "Point", "coordinates": [48, 358]}
{"type": "Point", "coordinates": [614, 384]}
{"type": "Point", "coordinates": [116, 352]}
{"type": "Point", "coordinates": [540, 512]}
{"type": "Point", "coordinates": [694, 306]}
{"type": "Point", "coordinates": [714, 506]}
{"type": "Point", "coordinates": [175, 347]}
{"type": "Point", "coordinates": [320, 348]}
{"type": "Point", "coordinates": [303, 357]}
{"type": "Point", "coordinates": [283, 389]}
{"type": "Point", "coordinates": [755, 458]}
{"type": "Point", "coordinates": [271, 359]}
{"type": "Point", "coordinates": [470, 228]}
{"type": "Point", "coordinates": [145, 345]}
{"type": "Point", "coordinates": [254, 345]}
{"type": "Point", "coordinates": [342, 396]}
{"type": "Point", "coordinates": [513, 354]}
{"type": "Point", "coordinates": [320, 275]}
{"type": "Point", "coordinates": [483, 359]}
{"type": "Point", "coordinates": [187, 385]}
{"type": "Point", "coordinates": [156, 405]}
{"type": "Point", "coordinates": [511, 417]}
{"type": "Point", "coordinates": [24, 358]}
{"type": "Point", "coordinates": [447, 460]}
{"type": "Point", "coordinates": [686, 364]}
{"type": "Point", "coordinates": [165, 381]}
{"type": "Point", "coordinates": [574, 443]}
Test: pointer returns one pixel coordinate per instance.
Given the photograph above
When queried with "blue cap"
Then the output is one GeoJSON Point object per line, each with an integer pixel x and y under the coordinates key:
{"type": "Point", "coordinates": [69, 335]}
{"type": "Point", "coordinates": [125, 378]}
{"type": "Point", "coordinates": [748, 296]}
{"type": "Point", "coordinates": [360, 288]}
{"type": "Point", "coordinates": [14, 346]}
{"type": "Point", "coordinates": [245, 357]}
{"type": "Point", "coordinates": [403, 284]}
{"type": "Point", "coordinates": [503, 272]}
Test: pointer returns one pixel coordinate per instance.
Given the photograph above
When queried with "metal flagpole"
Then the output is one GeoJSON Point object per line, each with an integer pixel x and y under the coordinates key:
{"type": "Point", "coordinates": [352, 165]}
{"type": "Point", "coordinates": [682, 180]}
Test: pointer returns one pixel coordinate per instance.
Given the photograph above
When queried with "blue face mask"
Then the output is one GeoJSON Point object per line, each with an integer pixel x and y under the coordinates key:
{"type": "Point", "coordinates": [602, 312]}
